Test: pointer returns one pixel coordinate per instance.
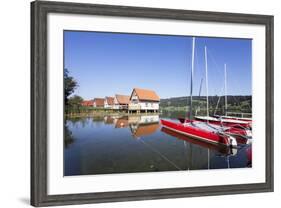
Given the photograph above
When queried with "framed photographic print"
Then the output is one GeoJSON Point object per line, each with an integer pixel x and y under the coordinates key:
{"type": "Point", "coordinates": [132, 103]}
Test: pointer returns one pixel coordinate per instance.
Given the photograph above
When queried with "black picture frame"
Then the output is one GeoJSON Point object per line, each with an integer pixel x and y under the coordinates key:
{"type": "Point", "coordinates": [39, 98]}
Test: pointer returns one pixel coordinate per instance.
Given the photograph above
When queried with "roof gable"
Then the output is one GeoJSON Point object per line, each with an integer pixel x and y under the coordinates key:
{"type": "Point", "coordinates": [123, 99]}
{"type": "Point", "coordinates": [144, 94]}
{"type": "Point", "coordinates": [109, 100]}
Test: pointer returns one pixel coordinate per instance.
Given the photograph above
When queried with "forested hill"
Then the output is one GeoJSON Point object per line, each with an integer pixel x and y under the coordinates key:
{"type": "Point", "coordinates": [239, 102]}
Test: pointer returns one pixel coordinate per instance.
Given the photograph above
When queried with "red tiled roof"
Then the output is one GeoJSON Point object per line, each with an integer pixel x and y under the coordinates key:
{"type": "Point", "coordinates": [123, 99]}
{"type": "Point", "coordinates": [110, 100]}
{"type": "Point", "coordinates": [99, 102]}
{"type": "Point", "coordinates": [87, 103]}
{"type": "Point", "coordinates": [144, 94]}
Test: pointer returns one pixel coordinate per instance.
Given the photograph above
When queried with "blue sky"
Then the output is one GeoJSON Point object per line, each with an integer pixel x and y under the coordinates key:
{"type": "Point", "coordinates": [105, 64]}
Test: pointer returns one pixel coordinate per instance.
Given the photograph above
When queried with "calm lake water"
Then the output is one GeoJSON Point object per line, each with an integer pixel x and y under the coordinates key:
{"type": "Point", "coordinates": [103, 145]}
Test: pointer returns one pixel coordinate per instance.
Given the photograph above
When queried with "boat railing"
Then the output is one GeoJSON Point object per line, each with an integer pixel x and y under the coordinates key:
{"type": "Point", "coordinates": [242, 115]}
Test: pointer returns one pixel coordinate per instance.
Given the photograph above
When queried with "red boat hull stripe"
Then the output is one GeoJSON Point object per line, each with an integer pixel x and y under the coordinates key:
{"type": "Point", "coordinates": [215, 141]}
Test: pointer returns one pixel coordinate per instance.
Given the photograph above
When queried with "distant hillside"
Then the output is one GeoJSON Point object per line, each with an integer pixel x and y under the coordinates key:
{"type": "Point", "coordinates": [236, 103]}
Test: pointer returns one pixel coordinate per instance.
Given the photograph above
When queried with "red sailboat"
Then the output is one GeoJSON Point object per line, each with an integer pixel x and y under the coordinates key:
{"type": "Point", "coordinates": [233, 129]}
{"type": "Point", "coordinates": [238, 127]}
{"type": "Point", "coordinates": [198, 129]}
{"type": "Point", "coordinates": [225, 122]}
{"type": "Point", "coordinates": [201, 131]}
{"type": "Point", "coordinates": [222, 149]}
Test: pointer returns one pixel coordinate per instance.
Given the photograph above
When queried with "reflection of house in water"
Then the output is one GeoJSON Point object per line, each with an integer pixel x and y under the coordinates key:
{"type": "Point", "coordinates": [143, 119]}
{"type": "Point", "coordinates": [121, 122]}
{"type": "Point", "coordinates": [143, 125]}
{"type": "Point", "coordinates": [144, 129]}
{"type": "Point", "coordinates": [139, 125]}
{"type": "Point", "coordinates": [108, 120]}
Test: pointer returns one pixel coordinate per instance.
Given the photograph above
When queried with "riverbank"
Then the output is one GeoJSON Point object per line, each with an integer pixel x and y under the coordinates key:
{"type": "Point", "coordinates": [106, 113]}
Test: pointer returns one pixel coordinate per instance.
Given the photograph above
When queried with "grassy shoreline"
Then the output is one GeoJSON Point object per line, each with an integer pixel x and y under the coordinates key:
{"type": "Point", "coordinates": [105, 113]}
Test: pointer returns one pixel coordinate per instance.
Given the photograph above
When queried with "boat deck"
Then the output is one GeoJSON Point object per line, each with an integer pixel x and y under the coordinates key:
{"type": "Point", "coordinates": [207, 126]}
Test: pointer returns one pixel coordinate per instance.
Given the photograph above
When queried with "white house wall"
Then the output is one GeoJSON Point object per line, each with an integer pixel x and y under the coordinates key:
{"type": "Point", "coordinates": [116, 104]}
{"type": "Point", "coordinates": [149, 105]}
{"type": "Point", "coordinates": [105, 104]}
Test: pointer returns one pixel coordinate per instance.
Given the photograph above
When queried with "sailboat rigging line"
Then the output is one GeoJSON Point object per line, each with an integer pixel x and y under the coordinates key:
{"type": "Point", "coordinates": [198, 107]}
{"type": "Point", "coordinates": [225, 80]}
{"type": "Point", "coordinates": [206, 73]}
{"type": "Point", "coordinates": [188, 84]}
{"type": "Point", "coordinates": [192, 72]}
{"type": "Point", "coordinates": [216, 66]}
{"type": "Point", "coordinates": [215, 112]}
{"type": "Point", "coordinates": [210, 55]}
{"type": "Point", "coordinates": [225, 89]}
{"type": "Point", "coordinates": [213, 59]}
{"type": "Point", "coordinates": [200, 87]}
{"type": "Point", "coordinates": [244, 96]}
{"type": "Point", "coordinates": [163, 156]}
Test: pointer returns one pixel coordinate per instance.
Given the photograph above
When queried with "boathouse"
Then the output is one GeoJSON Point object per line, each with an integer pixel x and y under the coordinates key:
{"type": "Point", "coordinates": [121, 102]}
{"type": "Point", "coordinates": [109, 102]}
{"type": "Point", "coordinates": [143, 100]}
{"type": "Point", "coordinates": [99, 102]}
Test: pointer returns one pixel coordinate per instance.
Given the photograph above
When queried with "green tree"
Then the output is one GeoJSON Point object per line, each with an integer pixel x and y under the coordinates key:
{"type": "Point", "coordinates": [75, 101]}
{"type": "Point", "coordinates": [70, 84]}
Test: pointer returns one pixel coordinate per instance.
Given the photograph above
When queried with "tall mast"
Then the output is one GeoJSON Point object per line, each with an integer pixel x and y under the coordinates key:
{"type": "Point", "coordinates": [206, 74]}
{"type": "Point", "coordinates": [225, 88]}
{"type": "Point", "coordinates": [192, 71]}
{"type": "Point", "coordinates": [201, 82]}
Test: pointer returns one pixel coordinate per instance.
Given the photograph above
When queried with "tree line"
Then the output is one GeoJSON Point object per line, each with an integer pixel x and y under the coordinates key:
{"type": "Point", "coordinates": [70, 85]}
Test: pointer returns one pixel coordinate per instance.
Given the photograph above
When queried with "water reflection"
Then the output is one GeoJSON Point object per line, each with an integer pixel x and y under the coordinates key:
{"type": "Point", "coordinates": [139, 125]}
{"type": "Point", "coordinates": [121, 122]}
{"type": "Point", "coordinates": [68, 137]}
{"type": "Point", "coordinates": [222, 149]}
{"type": "Point", "coordinates": [125, 144]}
{"type": "Point", "coordinates": [108, 120]}
{"type": "Point", "coordinates": [143, 125]}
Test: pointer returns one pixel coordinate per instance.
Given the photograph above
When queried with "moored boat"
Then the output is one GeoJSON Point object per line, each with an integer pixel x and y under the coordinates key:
{"type": "Point", "coordinates": [222, 149]}
{"type": "Point", "coordinates": [233, 129]}
{"type": "Point", "coordinates": [234, 118]}
{"type": "Point", "coordinates": [225, 122]}
{"type": "Point", "coordinates": [199, 130]}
